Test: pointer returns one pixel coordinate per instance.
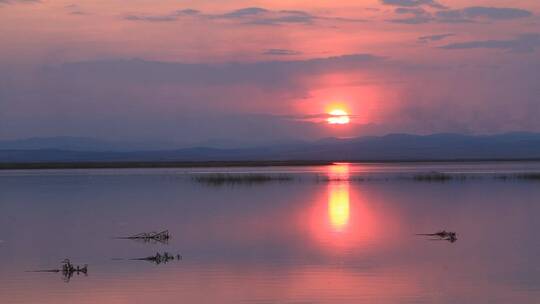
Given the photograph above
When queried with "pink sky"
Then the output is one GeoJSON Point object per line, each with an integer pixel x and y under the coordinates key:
{"type": "Point", "coordinates": [190, 71]}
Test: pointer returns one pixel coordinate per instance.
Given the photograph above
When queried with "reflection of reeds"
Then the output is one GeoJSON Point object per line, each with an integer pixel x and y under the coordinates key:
{"type": "Point", "coordinates": [251, 178]}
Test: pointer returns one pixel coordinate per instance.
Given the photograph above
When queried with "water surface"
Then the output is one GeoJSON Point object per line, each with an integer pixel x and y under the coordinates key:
{"type": "Point", "coordinates": [280, 242]}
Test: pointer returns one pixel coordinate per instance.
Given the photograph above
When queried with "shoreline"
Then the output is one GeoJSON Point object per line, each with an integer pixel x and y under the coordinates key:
{"type": "Point", "coordinates": [209, 164]}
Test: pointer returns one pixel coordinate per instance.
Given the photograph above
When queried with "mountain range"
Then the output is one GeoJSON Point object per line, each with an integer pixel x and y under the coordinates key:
{"type": "Point", "coordinates": [392, 147]}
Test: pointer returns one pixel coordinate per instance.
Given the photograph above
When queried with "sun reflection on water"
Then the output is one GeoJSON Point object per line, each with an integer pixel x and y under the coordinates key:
{"type": "Point", "coordinates": [338, 197]}
{"type": "Point", "coordinates": [342, 219]}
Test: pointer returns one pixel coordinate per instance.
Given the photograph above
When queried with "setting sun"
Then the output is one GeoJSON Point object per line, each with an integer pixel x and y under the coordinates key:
{"type": "Point", "coordinates": [338, 116]}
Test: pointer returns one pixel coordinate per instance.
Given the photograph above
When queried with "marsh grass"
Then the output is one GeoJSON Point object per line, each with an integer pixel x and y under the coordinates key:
{"type": "Point", "coordinates": [435, 177]}
{"type": "Point", "coordinates": [445, 177]}
{"type": "Point", "coordinates": [534, 176]}
{"type": "Point", "coordinates": [217, 179]}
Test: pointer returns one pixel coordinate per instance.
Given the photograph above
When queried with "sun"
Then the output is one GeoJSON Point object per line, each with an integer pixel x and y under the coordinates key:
{"type": "Point", "coordinates": [338, 117]}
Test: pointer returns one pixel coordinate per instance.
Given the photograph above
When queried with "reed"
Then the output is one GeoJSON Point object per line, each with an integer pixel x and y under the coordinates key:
{"type": "Point", "coordinates": [433, 177]}
{"type": "Point", "coordinates": [251, 178]}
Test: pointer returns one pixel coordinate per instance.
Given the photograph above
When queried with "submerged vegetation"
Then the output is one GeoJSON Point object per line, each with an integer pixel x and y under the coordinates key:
{"type": "Point", "coordinates": [217, 179]}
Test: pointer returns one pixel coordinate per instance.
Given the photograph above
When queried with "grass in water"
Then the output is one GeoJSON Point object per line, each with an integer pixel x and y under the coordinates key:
{"type": "Point", "coordinates": [522, 176]}
{"type": "Point", "coordinates": [222, 178]}
{"type": "Point", "coordinates": [529, 176]}
{"type": "Point", "coordinates": [433, 177]}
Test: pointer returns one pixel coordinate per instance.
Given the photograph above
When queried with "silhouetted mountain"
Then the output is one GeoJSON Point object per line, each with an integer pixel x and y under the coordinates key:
{"type": "Point", "coordinates": [392, 147]}
{"type": "Point", "coordinates": [85, 144]}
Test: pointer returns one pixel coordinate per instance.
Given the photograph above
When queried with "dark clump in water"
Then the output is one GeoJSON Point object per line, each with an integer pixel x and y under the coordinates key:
{"type": "Point", "coordinates": [221, 178]}
{"type": "Point", "coordinates": [156, 237]}
{"type": "Point", "coordinates": [522, 176]}
{"type": "Point", "coordinates": [160, 258]}
{"type": "Point", "coordinates": [442, 236]}
{"type": "Point", "coordinates": [68, 270]}
{"type": "Point", "coordinates": [433, 177]}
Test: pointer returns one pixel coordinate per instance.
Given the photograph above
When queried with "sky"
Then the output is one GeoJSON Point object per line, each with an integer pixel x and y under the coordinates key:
{"type": "Point", "coordinates": [237, 72]}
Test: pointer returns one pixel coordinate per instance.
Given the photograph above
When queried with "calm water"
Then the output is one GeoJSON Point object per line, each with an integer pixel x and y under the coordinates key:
{"type": "Point", "coordinates": [289, 242]}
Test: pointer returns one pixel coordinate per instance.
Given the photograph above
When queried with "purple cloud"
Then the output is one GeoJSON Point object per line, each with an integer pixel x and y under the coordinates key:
{"type": "Point", "coordinates": [522, 43]}
{"type": "Point", "coordinates": [414, 3]}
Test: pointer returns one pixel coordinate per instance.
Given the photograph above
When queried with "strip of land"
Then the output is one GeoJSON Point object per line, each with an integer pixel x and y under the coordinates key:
{"type": "Point", "coordinates": [203, 164]}
{"type": "Point", "coordinates": [155, 164]}
{"type": "Point", "coordinates": [217, 164]}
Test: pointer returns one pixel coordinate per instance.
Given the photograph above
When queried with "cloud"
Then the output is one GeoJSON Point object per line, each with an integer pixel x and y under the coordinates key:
{"type": "Point", "coordinates": [248, 15]}
{"type": "Point", "coordinates": [18, 1]}
{"type": "Point", "coordinates": [281, 52]}
{"type": "Point", "coordinates": [413, 3]}
{"type": "Point", "coordinates": [522, 43]}
{"type": "Point", "coordinates": [163, 18]}
{"type": "Point", "coordinates": [468, 14]}
{"type": "Point", "coordinates": [143, 99]}
{"type": "Point", "coordinates": [75, 9]}
{"type": "Point", "coordinates": [418, 15]}
{"type": "Point", "coordinates": [246, 12]}
{"type": "Point", "coordinates": [264, 73]}
{"type": "Point", "coordinates": [425, 39]}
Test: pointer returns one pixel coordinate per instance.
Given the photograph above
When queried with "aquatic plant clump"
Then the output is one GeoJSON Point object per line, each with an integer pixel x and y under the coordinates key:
{"type": "Point", "coordinates": [226, 178]}
{"type": "Point", "coordinates": [441, 236]}
{"type": "Point", "coordinates": [433, 177]}
{"type": "Point", "coordinates": [161, 258]}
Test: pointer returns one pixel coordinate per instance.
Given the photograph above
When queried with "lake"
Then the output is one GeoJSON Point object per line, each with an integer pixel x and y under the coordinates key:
{"type": "Point", "coordinates": [303, 240]}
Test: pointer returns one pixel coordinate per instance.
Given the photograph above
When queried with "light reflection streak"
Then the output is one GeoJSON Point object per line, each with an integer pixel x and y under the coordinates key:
{"type": "Point", "coordinates": [341, 218]}
{"type": "Point", "coordinates": [338, 197]}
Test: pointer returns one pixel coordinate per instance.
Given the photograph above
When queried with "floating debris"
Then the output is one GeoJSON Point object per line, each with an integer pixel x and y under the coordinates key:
{"type": "Point", "coordinates": [161, 237]}
{"type": "Point", "coordinates": [442, 236]}
{"type": "Point", "coordinates": [160, 258]}
{"type": "Point", "coordinates": [67, 270]}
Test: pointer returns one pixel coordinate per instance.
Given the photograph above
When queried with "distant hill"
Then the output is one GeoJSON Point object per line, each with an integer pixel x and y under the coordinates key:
{"type": "Point", "coordinates": [86, 144]}
{"type": "Point", "coordinates": [392, 147]}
